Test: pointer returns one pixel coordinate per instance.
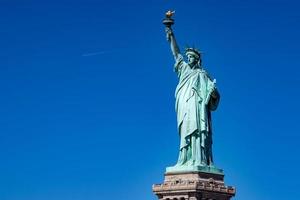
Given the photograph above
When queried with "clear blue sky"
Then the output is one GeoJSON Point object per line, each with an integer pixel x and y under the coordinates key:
{"type": "Point", "coordinates": [87, 96]}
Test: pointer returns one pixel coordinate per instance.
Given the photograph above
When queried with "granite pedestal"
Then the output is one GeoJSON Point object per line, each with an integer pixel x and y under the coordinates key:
{"type": "Point", "coordinates": [193, 186]}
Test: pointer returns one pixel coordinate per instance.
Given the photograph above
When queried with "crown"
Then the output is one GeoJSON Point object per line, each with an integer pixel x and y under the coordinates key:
{"type": "Point", "coordinates": [193, 51]}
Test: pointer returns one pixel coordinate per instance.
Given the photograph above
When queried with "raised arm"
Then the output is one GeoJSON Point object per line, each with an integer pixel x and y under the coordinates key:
{"type": "Point", "coordinates": [171, 38]}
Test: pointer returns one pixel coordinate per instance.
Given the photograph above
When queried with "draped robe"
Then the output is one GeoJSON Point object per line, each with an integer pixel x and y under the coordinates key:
{"type": "Point", "coordinates": [194, 101]}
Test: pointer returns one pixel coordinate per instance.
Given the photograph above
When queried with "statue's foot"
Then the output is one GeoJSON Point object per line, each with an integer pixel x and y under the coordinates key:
{"type": "Point", "coordinates": [198, 163]}
{"type": "Point", "coordinates": [190, 163]}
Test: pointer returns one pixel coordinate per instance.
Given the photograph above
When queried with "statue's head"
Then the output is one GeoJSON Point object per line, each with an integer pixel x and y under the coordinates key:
{"type": "Point", "coordinates": [193, 56]}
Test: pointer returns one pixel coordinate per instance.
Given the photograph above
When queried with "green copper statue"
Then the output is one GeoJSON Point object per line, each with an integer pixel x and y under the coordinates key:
{"type": "Point", "coordinates": [196, 96]}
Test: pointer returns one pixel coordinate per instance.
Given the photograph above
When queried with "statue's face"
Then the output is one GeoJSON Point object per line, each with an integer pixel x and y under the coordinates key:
{"type": "Point", "coordinates": [191, 59]}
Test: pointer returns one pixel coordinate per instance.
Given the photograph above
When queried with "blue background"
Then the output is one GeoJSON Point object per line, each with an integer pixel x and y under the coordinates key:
{"type": "Point", "coordinates": [87, 96]}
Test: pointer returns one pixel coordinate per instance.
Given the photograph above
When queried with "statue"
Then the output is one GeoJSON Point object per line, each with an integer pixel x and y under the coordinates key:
{"type": "Point", "coordinates": [196, 96]}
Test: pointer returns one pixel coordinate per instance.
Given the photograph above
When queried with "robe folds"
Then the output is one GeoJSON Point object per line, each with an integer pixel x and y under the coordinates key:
{"type": "Point", "coordinates": [196, 95]}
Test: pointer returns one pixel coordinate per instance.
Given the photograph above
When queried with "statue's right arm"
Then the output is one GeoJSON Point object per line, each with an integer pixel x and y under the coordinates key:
{"type": "Point", "coordinates": [174, 47]}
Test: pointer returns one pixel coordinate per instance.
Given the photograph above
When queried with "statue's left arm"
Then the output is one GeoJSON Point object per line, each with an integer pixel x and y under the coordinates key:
{"type": "Point", "coordinates": [213, 96]}
{"type": "Point", "coordinates": [214, 100]}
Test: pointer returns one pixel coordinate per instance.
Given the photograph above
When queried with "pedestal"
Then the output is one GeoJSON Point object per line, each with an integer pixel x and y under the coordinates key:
{"type": "Point", "coordinates": [193, 186]}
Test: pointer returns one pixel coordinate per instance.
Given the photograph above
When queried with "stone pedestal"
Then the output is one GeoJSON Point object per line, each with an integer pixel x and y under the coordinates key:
{"type": "Point", "coordinates": [193, 186]}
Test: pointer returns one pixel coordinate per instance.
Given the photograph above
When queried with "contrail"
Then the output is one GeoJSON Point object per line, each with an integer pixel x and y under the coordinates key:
{"type": "Point", "coordinates": [94, 53]}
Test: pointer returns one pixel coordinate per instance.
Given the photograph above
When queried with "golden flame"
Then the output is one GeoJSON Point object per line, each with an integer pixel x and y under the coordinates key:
{"type": "Point", "coordinates": [169, 13]}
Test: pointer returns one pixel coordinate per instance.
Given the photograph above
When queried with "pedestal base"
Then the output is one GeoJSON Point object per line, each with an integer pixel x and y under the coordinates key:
{"type": "Point", "coordinates": [193, 186]}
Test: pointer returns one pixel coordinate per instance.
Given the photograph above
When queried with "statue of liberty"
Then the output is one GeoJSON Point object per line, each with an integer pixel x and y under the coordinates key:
{"type": "Point", "coordinates": [196, 96]}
